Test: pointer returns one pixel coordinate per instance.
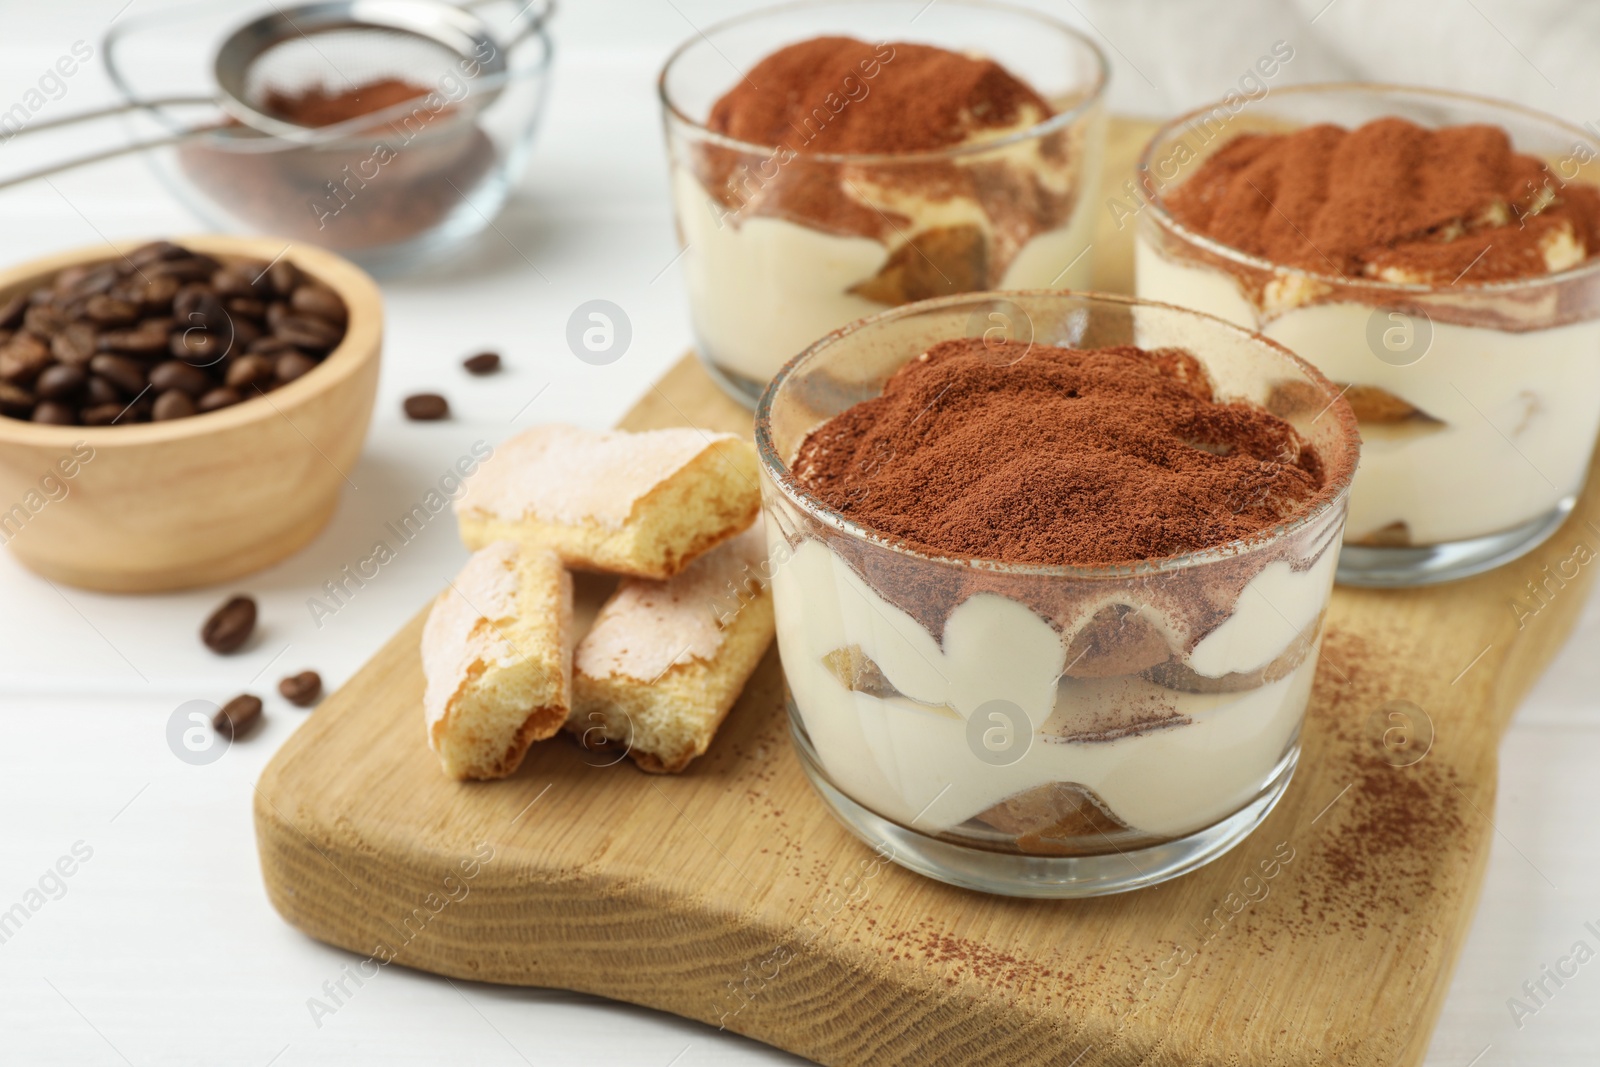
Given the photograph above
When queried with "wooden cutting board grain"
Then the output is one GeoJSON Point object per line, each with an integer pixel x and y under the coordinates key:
{"type": "Point", "coordinates": [727, 894]}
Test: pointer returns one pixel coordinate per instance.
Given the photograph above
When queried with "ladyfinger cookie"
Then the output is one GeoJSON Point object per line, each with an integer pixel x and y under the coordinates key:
{"type": "Point", "coordinates": [640, 504]}
{"type": "Point", "coordinates": [497, 655]}
{"type": "Point", "coordinates": [665, 661]}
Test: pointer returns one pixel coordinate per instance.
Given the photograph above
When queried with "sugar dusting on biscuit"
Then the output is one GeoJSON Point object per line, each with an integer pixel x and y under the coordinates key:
{"type": "Point", "coordinates": [463, 629]}
{"type": "Point", "coordinates": [648, 627]}
{"type": "Point", "coordinates": [565, 474]}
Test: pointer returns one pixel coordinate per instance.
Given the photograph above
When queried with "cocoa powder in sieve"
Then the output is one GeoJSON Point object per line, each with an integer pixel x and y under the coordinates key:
{"type": "Point", "coordinates": [1063, 456]}
{"type": "Point", "coordinates": [384, 185]}
{"type": "Point", "coordinates": [320, 106]}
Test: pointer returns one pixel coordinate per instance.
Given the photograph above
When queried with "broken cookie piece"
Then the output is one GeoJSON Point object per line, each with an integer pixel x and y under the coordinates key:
{"type": "Point", "coordinates": [497, 655]}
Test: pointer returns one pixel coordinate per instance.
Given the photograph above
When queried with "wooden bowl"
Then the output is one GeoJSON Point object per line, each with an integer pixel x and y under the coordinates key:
{"type": "Point", "coordinates": [171, 505]}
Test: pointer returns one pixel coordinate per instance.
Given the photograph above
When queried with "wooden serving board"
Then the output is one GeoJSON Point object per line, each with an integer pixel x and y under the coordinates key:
{"type": "Point", "coordinates": [728, 894]}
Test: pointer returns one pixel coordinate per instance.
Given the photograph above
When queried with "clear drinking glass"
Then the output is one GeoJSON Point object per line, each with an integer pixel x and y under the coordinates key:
{"type": "Point", "coordinates": [766, 278]}
{"type": "Point", "coordinates": [1504, 377]}
{"type": "Point", "coordinates": [1030, 730]}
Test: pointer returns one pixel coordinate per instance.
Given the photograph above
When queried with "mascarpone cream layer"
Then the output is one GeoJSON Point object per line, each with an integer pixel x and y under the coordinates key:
{"type": "Point", "coordinates": [1518, 412]}
{"type": "Point", "coordinates": [762, 289]}
{"type": "Point", "coordinates": [910, 759]}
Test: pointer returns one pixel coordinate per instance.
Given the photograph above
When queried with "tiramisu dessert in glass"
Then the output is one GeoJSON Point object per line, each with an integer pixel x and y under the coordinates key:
{"type": "Point", "coordinates": [829, 160]}
{"type": "Point", "coordinates": [1049, 603]}
{"type": "Point", "coordinates": [1435, 255]}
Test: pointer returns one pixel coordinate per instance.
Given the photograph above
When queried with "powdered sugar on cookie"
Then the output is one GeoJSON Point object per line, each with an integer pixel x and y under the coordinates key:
{"type": "Point", "coordinates": [564, 474]}
{"type": "Point", "coordinates": [649, 627]}
{"type": "Point", "coordinates": [465, 627]}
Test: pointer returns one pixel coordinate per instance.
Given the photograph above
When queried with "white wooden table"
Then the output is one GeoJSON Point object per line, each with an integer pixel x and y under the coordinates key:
{"type": "Point", "coordinates": [160, 946]}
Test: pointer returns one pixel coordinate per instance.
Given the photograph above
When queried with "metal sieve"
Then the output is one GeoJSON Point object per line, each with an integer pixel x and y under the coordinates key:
{"type": "Point", "coordinates": [336, 45]}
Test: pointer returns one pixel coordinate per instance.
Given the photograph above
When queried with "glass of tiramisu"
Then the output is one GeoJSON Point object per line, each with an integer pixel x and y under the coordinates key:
{"type": "Point", "coordinates": [1050, 572]}
{"type": "Point", "coordinates": [1435, 255]}
{"type": "Point", "coordinates": [829, 160]}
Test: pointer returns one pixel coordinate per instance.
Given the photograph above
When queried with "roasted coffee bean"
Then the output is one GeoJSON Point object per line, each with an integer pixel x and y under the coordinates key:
{"type": "Point", "coordinates": [75, 344]}
{"type": "Point", "coordinates": [237, 716]}
{"type": "Point", "coordinates": [282, 277]}
{"type": "Point", "coordinates": [198, 305]}
{"type": "Point", "coordinates": [234, 281]}
{"type": "Point", "coordinates": [302, 331]}
{"type": "Point", "coordinates": [199, 347]}
{"type": "Point", "coordinates": [22, 359]}
{"type": "Point", "coordinates": [60, 381]}
{"type": "Point", "coordinates": [270, 346]}
{"type": "Point", "coordinates": [74, 310]}
{"type": "Point", "coordinates": [12, 310]}
{"type": "Point", "coordinates": [44, 319]}
{"type": "Point", "coordinates": [230, 626]}
{"type": "Point", "coordinates": [243, 332]}
{"type": "Point", "coordinates": [71, 276]}
{"type": "Point", "coordinates": [217, 398]}
{"type": "Point", "coordinates": [101, 414]}
{"type": "Point", "coordinates": [55, 413]}
{"type": "Point", "coordinates": [100, 391]}
{"type": "Point", "coordinates": [319, 302]}
{"type": "Point", "coordinates": [120, 371]}
{"type": "Point", "coordinates": [175, 324]}
{"type": "Point", "coordinates": [301, 690]}
{"type": "Point", "coordinates": [175, 374]}
{"type": "Point", "coordinates": [92, 282]}
{"type": "Point", "coordinates": [292, 365]}
{"type": "Point", "coordinates": [482, 363]}
{"type": "Point", "coordinates": [250, 370]}
{"type": "Point", "coordinates": [173, 404]}
{"type": "Point", "coordinates": [157, 294]}
{"type": "Point", "coordinates": [105, 310]}
{"type": "Point", "coordinates": [156, 251]}
{"type": "Point", "coordinates": [16, 401]}
{"type": "Point", "coordinates": [426, 407]}
{"type": "Point", "coordinates": [149, 338]}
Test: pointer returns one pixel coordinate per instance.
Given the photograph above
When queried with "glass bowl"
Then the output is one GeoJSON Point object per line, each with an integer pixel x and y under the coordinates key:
{"type": "Point", "coordinates": [984, 723]}
{"type": "Point", "coordinates": [391, 197]}
{"type": "Point", "coordinates": [767, 275]}
{"type": "Point", "coordinates": [1504, 377]}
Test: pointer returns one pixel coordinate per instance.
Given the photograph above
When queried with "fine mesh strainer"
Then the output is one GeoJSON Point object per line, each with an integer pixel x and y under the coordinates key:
{"type": "Point", "coordinates": [332, 46]}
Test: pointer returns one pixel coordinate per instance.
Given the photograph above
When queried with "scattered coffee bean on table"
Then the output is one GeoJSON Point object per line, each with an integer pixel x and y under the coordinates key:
{"type": "Point", "coordinates": [237, 716]}
{"type": "Point", "coordinates": [161, 333]}
{"type": "Point", "coordinates": [230, 626]}
{"type": "Point", "coordinates": [301, 690]}
{"type": "Point", "coordinates": [482, 363]}
{"type": "Point", "coordinates": [426, 407]}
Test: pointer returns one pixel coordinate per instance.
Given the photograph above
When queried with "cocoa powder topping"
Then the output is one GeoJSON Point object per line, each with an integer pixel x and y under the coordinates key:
{"type": "Point", "coordinates": [1058, 456]}
{"type": "Point", "coordinates": [1392, 200]}
{"type": "Point", "coordinates": [838, 94]}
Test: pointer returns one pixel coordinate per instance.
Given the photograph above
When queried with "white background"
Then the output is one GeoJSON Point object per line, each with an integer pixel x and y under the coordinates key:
{"type": "Point", "coordinates": [164, 948]}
